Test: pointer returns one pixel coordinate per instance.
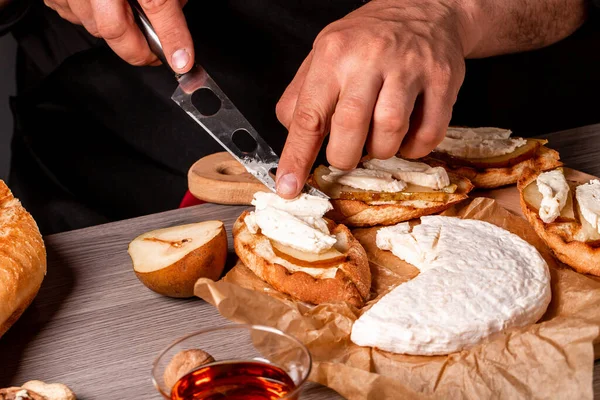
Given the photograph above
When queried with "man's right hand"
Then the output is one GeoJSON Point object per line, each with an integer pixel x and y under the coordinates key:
{"type": "Point", "coordinates": [113, 21]}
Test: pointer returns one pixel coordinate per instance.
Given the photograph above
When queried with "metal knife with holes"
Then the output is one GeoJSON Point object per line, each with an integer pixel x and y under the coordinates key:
{"type": "Point", "coordinates": [225, 120]}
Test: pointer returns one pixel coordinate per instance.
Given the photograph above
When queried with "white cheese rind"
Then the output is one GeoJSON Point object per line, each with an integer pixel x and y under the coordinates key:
{"type": "Point", "coordinates": [588, 199]}
{"type": "Point", "coordinates": [474, 148]}
{"type": "Point", "coordinates": [479, 142]}
{"type": "Point", "coordinates": [476, 279]}
{"type": "Point", "coordinates": [555, 190]}
{"type": "Point", "coordinates": [478, 133]}
{"type": "Point", "coordinates": [365, 179]}
{"type": "Point", "coordinates": [296, 223]}
{"type": "Point", "coordinates": [417, 173]}
{"type": "Point", "coordinates": [304, 205]}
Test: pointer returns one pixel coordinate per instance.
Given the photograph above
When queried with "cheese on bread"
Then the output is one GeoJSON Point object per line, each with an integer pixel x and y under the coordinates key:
{"type": "Point", "coordinates": [295, 223]}
{"type": "Point", "coordinates": [489, 157]}
{"type": "Point", "coordinates": [588, 199]}
{"type": "Point", "coordinates": [414, 172]}
{"type": "Point", "coordinates": [555, 190]}
{"type": "Point", "coordinates": [479, 142]}
{"type": "Point", "coordinates": [475, 279]}
{"type": "Point", "coordinates": [572, 235]}
{"type": "Point", "coordinates": [365, 179]}
{"type": "Point", "coordinates": [299, 252]}
{"type": "Point", "coordinates": [425, 190]}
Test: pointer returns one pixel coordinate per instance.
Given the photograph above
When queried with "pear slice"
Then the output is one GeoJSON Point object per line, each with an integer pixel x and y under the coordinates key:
{"type": "Point", "coordinates": [169, 261]}
{"type": "Point", "coordinates": [533, 198]}
{"type": "Point", "coordinates": [332, 189]}
{"type": "Point", "coordinates": [367, 196]}
{"type": "Point", "coordinates": [587, 232]}
{"type": "Point", "coordinates": [522, 153]}
{"type": "Point", "coordinates": [326, 259]}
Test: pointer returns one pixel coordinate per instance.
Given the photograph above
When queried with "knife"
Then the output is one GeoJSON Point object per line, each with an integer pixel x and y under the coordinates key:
{"type": "Point", "coordinates": [223, 123]}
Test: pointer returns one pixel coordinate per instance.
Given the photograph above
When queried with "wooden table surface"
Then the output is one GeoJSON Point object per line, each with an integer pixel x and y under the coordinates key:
{"type": "Point", "coordinates": [96, 328]}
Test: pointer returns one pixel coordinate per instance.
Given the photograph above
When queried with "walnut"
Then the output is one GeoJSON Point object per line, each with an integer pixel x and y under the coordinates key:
{"type": "Point", "coordinates": [18, 393]}
{"type": "Point", "coordinates": [50, 391]}
{"type": "Point", "coordinates": [183, 363]}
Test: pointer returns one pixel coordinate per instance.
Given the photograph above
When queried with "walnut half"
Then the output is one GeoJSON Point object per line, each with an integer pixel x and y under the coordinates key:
{"type": "Point", "coordinates": [183, 363]}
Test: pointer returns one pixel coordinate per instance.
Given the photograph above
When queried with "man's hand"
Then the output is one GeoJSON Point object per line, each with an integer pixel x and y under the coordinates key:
{"type": "Point", "coordinates": [113, 21]}
{"type": "Point", "coordinates": [387, 75]}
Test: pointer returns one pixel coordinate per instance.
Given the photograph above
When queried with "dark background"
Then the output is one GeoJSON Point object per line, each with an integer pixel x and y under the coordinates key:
{"type": "Point", "coordinates": [7, 88]}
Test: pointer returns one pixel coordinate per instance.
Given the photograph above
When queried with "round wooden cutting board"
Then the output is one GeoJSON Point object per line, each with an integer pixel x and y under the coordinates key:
{"type": "Point", "coordinates": [219, 178]}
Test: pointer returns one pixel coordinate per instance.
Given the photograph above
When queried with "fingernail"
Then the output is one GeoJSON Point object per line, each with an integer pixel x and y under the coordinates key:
{"type": "Point", "coordinates": [287, 184]}
{"type": "Point", "coordinates": [180, 58]}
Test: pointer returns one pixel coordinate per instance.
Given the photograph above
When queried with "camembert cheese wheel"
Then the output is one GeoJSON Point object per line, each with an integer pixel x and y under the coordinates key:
{"type": "Point", "coordinates": [475, 279]}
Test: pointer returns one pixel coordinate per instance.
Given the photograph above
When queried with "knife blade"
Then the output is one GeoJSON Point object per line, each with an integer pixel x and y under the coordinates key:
{"type": "Point", "coordinates": [225, 122]}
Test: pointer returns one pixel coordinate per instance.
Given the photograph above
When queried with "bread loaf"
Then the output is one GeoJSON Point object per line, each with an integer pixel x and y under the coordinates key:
{"type": "Point", "coordinates": [22, 259]}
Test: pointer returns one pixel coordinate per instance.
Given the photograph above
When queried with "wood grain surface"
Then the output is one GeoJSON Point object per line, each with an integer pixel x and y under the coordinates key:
{"type": "Point", "coordinates": [579, 148]}
{"type": "Point", "coordinates": [96, 328]}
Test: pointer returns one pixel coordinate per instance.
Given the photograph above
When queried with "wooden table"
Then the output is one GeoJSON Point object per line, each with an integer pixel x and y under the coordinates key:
{"type": "Point", "coordinates": [95, 327]}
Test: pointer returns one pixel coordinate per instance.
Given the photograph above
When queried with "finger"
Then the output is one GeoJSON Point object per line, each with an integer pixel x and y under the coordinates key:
{"type": "Point", "coordinates": [428, 127]}
{"type": "Point", "coordinates": [310, 123]}
{"type": "Point", "coordinates": [286, 104]}
{"type": "Point", "coordinates": [83, 11]}
{"type": "Point", "coordinates": [168, 20]}
{"type": "Point", "coordinates": [352, 118]}
{"type": "Point", "coordinates": [391, 116]}
{"type": "Point", "coordinates": [116, 24]}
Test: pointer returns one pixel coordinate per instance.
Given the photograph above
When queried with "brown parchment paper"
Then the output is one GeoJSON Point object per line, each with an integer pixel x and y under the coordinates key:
{"type": "Point", "coordinates": [551, 359]}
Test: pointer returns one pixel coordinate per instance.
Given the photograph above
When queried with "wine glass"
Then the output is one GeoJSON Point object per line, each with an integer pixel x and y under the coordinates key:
{"type": "Point", "coordinates": [236, 362]}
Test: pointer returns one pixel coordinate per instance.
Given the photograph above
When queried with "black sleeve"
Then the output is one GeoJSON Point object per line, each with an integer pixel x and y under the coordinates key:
{"type": "Point", "coordinates": [12, 14]}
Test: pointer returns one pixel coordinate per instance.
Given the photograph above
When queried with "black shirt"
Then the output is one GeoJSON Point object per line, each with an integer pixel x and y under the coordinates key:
{"type": "Point", "coordinates": [98, 140]}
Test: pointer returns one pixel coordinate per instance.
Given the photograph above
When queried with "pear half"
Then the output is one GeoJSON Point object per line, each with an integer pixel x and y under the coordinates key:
{"type": "Point", "coordinates": [169, 261]}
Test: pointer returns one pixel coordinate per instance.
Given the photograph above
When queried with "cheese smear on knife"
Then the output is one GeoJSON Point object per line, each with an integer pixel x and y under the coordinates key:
{"type": "Point", "coordinates": [588, 199]}
{"type": "Point", "coordinates": [479, 142]}
{"type": "Point", "coordinates": [555, 190]}
{"type": "Point", "coordinates": [475, 279]}
{"type": "Point", "coordinates": [417, 173]}
{"type": "Point", "coordinates": [296, 223]}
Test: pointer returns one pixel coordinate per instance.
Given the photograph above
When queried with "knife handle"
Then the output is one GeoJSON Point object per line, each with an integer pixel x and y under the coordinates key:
{"type": "Point", "coordinates": [151, 37]}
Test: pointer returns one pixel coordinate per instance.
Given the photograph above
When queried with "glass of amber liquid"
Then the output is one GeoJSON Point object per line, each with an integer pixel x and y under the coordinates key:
{"type": "Point", "coordinates": [236, 362]}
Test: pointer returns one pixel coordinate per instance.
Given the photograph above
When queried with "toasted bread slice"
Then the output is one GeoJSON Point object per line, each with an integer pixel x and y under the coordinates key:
{"type": "Point", "coordinates": [564, 237]}
{"type": "Point", "coordinates": [357, 213]}
{"type": "Point", "coordinates": [543, 159]}
{"type": "Point", "coordinates": [349, 280]}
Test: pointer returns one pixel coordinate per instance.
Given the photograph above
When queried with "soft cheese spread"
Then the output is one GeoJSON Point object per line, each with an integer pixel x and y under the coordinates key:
{"type": "Point", "coordinates": [588, 199]}
{"type": "Point", "coordinates": [481, 133]}
{"type": "Point", "coordinates": [297, 223]}
{"type": "Point", "coordinates": [365, 179]}
{"type": "Point", "coordinates": [475, 279]}
{"type": "Point", "coordinates": [555, 190]}
{"type": "Point", "coordinates": [302, 206]}
{"type": "Point", "coordinates": [479, 142]}
{"type": "Point", "coordinates": [417, 173]}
